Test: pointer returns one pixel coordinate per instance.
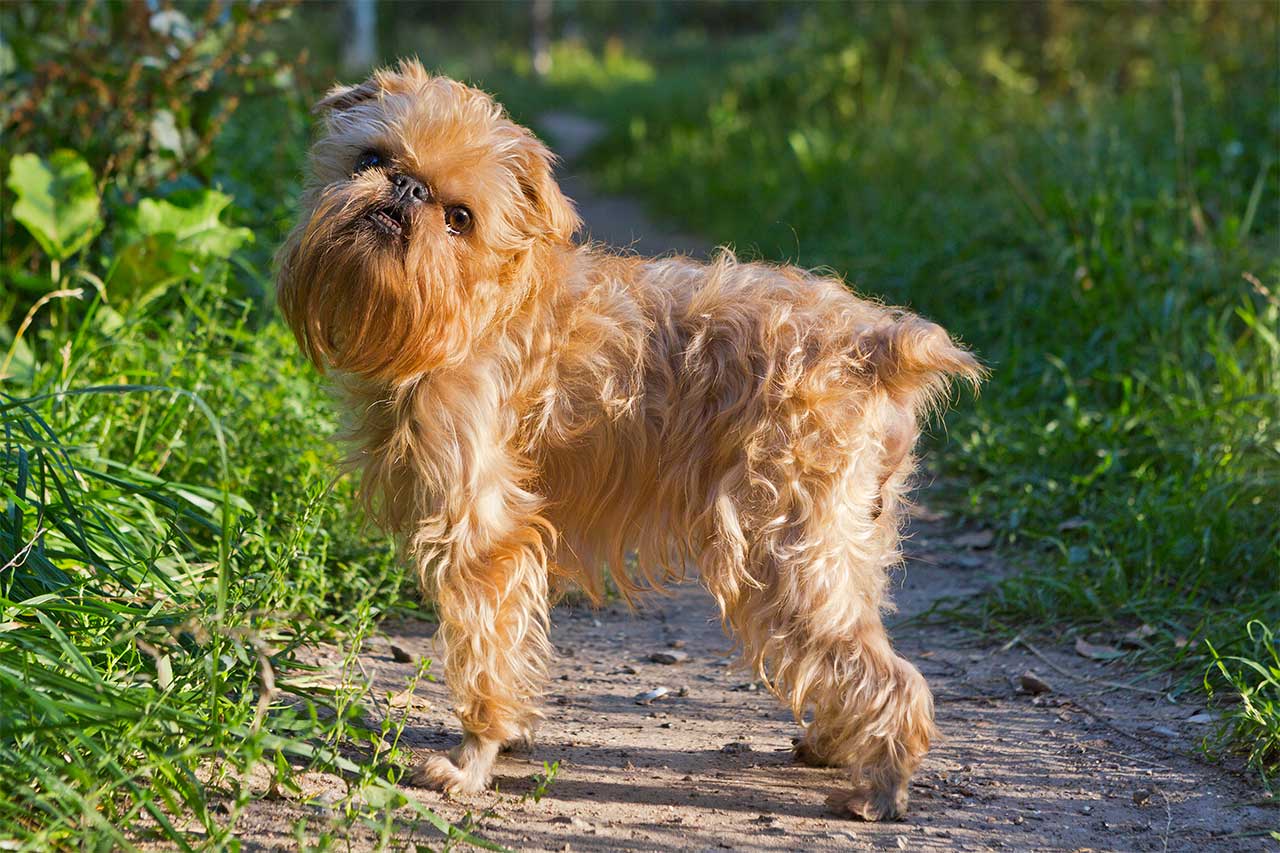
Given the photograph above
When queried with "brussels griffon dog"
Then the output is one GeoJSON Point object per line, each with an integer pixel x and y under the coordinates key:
{"type": "Point", "coordinates": [526, 411]}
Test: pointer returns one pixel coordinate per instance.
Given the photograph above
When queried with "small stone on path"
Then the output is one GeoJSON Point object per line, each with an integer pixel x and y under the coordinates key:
{"type": "Point", "coordinates": [650, 696]}
{"type": "Point", "coordinates": [1031, 683]}
{"type": "Point", "coordinates": [669, 657]}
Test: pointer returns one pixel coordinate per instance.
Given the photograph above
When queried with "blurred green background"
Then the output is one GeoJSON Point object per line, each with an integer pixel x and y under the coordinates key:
{"type": "Point", "coordinates": [1087, 193]}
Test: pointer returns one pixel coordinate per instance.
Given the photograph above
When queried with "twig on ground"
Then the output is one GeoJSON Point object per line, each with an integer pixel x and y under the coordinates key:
{"type": "Point", "coordinates": [1114, 685]}
{"type": "Point", "coordinates": [1168, 822]}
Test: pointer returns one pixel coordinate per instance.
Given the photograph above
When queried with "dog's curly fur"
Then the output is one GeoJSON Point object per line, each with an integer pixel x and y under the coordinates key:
{"type": "Point", "coordinates": [525, 411]}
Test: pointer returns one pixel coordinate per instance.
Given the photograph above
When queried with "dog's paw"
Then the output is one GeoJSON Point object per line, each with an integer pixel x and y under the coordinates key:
{"type": "Point", "coordinates": [805, 754]}
{"type": "Point", "coordinates": [439, 772]}
{"type": "Point", "coordinates": [522, 744]}
{"type": "Point", "coordinates": [869, 804]}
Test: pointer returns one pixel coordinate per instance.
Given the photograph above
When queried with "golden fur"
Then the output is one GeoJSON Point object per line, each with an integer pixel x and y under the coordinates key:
{"type": "Point", "coordinates": [524, 412]}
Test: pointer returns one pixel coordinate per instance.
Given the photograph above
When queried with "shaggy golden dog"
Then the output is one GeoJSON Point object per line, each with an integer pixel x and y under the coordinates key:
{"type": "Point", "coordinates": [525, 411]}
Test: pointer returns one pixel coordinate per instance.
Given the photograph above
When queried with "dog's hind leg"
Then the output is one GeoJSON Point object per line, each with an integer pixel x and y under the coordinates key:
{"type": "Point", "coordinates": [871, 710]}
{"type": "Point", "coordinates": [802, 585]}
{"type": "Point", "coordinates": [872, 713]}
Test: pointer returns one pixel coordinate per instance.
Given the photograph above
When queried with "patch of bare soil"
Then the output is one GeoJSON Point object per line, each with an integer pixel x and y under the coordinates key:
{"type": "Point", "coordinates": [708, 767]}
{"type": "Point", "coordinates": [1083, 766]}
{"type": "Point", "coordinates": [1062, 759]}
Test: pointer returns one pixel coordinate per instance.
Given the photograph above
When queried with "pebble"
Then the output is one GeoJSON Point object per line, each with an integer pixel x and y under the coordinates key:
{"type": "Point", "coordinates": [669, 657]}
{"type": "Point", "coordinates": [1142, 796]}
{"type": "Point", "coordinates": [1031, 683]}
{"type": "Point", "coordinates": [581, 825]}
{"type": "Point", "coordinates": [650, 696]}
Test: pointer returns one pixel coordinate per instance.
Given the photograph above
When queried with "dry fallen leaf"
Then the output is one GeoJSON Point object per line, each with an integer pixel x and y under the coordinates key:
{"type": "Point", "coordinates": [407, 699]}
{"type": "Point", "coordinates": [1095, 651]}
{"type": "Point", "coordinates": [1135, 637]}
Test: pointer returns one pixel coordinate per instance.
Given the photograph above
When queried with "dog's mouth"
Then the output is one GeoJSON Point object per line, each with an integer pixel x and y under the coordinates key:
{"type": "Point", "coordinates": [386, 220]}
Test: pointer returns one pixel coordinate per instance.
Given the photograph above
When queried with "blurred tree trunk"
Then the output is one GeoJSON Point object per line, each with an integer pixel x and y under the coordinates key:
{"type": "Point", "coordinates": [541, 41]}
{"type": "Point", "coordinates": [361, 48]}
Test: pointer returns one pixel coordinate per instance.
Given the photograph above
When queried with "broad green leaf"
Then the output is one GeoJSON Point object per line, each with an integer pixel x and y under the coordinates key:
{"type": "Point", "coordinates": [191, 216]}
{"type": "Point", "coordinates": [144, 269]}
{"type": "Point", "coordinates": [57, 201]}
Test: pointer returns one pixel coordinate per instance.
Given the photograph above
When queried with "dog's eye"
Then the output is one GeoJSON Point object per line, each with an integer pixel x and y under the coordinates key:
{"type": "Point", "coordinates": [457, 219]}
{"type": "Point", "coordinates": [369, 160]}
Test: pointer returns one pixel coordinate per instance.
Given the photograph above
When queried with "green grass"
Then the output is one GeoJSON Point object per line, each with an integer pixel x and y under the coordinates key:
{"type": "Point", "coordinates": [175, 540]}
{"type": "Point", "coordinates": [173, 534]}
{"type": "Point", "coordinates": [1098, 219]}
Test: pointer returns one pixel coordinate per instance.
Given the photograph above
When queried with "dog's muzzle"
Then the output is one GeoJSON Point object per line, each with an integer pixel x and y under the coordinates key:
{"type": "Point", "coordinates": [407, 192]}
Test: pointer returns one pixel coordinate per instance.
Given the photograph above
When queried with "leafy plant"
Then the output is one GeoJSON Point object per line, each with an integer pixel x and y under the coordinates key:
{"type": "Point", "coordinates": [1253, 681]}
{"type": "Point", "coordinates": [171, 535]}
{"type": "Point", "coordinates": [57, 201]}
{"type": "Point", "coordinates": [142, 92]}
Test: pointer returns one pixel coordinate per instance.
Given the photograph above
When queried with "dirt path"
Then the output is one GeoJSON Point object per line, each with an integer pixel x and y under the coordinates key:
{"type": "Point", "coordinates": [709, 768]}
{"type": "Point", "coordinates": [1084, 767]}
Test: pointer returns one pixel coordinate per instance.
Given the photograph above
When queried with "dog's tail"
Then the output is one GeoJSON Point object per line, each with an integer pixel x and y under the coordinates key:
{"type": "Point", "coordinates": [916, 361]}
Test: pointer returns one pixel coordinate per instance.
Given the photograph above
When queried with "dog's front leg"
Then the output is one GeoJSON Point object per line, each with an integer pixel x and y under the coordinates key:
{"type": "Point", "coordinates": [490, 589]}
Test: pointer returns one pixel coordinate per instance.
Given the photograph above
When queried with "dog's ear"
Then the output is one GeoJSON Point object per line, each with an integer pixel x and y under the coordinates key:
{"type": "Point", "coordinates": [341, 98]}
{"type": "Point", "coordinates": [407, 75]}
{"type": "Point", "coordinates": [553, 214]}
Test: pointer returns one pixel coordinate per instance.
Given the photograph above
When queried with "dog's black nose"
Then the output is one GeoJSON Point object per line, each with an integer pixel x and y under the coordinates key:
{"type": "Point", "coordinates": [409, 191]}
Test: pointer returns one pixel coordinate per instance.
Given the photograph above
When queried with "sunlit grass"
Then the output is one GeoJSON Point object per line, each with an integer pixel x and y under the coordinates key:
{"type": "Point", "coordinates": [173, 537]}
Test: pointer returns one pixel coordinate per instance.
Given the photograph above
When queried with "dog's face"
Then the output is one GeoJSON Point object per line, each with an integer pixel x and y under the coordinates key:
{"type": "Point", "coordinates": [427, 219]}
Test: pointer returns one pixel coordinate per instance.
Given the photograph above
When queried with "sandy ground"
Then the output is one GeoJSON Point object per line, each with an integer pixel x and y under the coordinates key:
{"type": "Point", "coordinates": [1085, 766]}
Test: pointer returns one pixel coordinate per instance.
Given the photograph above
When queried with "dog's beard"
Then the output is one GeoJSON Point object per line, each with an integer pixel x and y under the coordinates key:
{"type": "Point", "coordinates": [371, 292]}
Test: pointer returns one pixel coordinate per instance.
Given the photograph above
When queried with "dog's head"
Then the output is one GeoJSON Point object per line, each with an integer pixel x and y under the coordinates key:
{"type": "Point", "coordinates": [424, 218]}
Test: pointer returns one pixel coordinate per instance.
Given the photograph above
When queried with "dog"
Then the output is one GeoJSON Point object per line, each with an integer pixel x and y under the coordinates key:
{"type": "Point", "coordinates": [526, 411]}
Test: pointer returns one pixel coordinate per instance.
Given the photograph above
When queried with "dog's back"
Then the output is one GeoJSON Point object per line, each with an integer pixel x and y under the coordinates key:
{"type": "Point", "coordinates": [675, 377]}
